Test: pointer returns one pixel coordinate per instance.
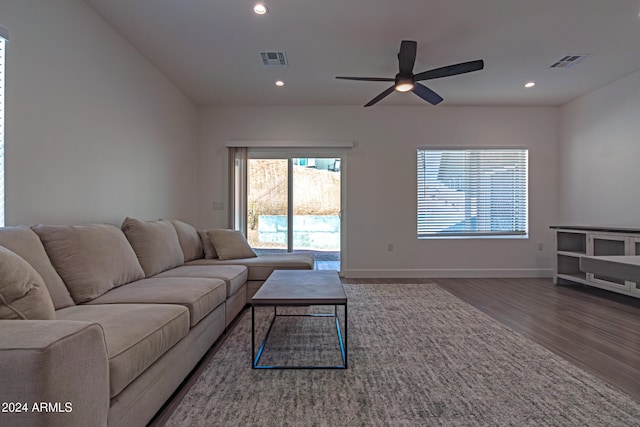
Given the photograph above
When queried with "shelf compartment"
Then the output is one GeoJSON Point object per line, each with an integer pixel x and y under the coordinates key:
{"type": "Point", "coordinates": [569, 266]}
{"type": "Point", "coordinates": [571, 242]}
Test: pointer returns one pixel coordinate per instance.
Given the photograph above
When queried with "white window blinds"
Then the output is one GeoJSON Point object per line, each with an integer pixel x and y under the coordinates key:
{"type": "Point", "coordinates": [2, 86]}
{"type": "Point", "coordinates": [472, 192]}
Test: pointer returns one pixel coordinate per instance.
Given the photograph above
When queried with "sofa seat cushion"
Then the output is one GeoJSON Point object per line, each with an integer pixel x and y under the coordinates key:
{"type": "Point", "coordinates": [234, 275]}
{"type": "Point", "coordinates": [136, 335]}
{"type": "Point", "coordinates": [261, 267]}
{"type": "Point", "coordinates": [200, 296]}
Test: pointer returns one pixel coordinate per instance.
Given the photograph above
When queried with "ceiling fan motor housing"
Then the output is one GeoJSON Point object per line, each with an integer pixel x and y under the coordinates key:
{"type": "Point", "coordinates": [404, 83]}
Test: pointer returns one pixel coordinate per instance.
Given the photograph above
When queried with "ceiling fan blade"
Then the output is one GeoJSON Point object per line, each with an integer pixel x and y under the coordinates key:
{"type": "Point", "coordinates": [450, 70]}
{"type": "Point", "coordinates": [407, 57]}
{"type": "Point", "coordinates": [368, 79]}
{"type": "Point", "coordinates": [379, 97]}
{"type": "Point", "coordinates": [427, 94]}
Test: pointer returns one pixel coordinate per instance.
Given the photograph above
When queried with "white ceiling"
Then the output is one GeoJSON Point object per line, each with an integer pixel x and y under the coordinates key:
{"type": "Point", "coordinates": [210, 48]}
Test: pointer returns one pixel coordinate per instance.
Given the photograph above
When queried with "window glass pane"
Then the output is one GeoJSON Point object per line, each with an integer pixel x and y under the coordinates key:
{"type": "Point", "coordinates": [463, 192]}
{"type": "Point", "coordinates": [267, 204]}
{"type": "Point", "coordinates": [316, 205]}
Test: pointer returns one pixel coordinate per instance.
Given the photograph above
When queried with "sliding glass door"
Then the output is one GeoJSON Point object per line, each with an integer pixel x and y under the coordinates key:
{"type": "Point", "coordinates": [294, 204]}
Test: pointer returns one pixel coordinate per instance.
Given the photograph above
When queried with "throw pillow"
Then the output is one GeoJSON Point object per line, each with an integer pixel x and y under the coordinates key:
{"type": "Point", "coordinates": [155, 243]}
{"type": "Point", "coordinates": [207, 246]}
{"type": "Point", "coordinates": [230, 244]}
{"type": "Point", "coordinates": [23, 294]}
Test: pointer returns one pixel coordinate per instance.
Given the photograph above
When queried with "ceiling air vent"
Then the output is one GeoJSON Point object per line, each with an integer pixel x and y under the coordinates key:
{"type": "Point", "coordinates": [273, 59]}
{"type": "Point", "coordinates": [570, 60]}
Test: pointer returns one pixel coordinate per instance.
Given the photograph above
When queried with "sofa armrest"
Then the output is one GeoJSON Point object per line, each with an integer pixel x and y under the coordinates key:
{"type": "Point", "coordinates": [53, 373]}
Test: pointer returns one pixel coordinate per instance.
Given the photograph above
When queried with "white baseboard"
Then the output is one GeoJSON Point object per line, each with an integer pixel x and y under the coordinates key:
{"type": "Point", "coordinates": [374, 273]}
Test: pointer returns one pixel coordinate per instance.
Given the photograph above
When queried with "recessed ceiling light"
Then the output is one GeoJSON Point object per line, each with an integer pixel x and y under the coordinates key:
{"type": "Point", "coordinates": [530, 84]}
{"type": "Point", "coordinates": [279, 83]}
{"type": "Point", "coordinates": [260, 9]}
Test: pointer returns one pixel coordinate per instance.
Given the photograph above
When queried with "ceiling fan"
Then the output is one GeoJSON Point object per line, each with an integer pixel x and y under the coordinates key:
{"type": "Point", "coordinates": [406, 81]}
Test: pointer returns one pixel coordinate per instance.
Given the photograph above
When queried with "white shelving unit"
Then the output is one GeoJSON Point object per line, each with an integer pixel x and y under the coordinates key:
{"type": "Point", "coordinates": [573, 242]}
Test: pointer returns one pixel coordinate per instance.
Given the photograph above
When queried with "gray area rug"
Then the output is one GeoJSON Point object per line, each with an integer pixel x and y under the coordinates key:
{"type": "Point", "coordinates": [417, 356]}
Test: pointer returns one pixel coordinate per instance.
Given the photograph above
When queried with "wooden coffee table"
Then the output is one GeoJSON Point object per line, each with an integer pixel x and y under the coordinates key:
{"type": "Point", "coordinates": [300, 288]}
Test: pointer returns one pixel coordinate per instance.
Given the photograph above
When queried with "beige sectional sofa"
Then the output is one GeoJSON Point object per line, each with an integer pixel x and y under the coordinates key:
{"type": "Point", "coordinates": [115, 318]}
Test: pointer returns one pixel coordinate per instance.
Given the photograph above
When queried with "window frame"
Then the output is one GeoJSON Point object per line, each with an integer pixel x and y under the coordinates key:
{"type": "Point", "coordinates": [4, 39]}
{"type": "Point", "coordinates": [523, 234]}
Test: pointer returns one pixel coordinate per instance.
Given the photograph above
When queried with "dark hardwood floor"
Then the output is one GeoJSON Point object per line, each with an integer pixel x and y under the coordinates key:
{"type": "Point", "coordinates": [597, 330]}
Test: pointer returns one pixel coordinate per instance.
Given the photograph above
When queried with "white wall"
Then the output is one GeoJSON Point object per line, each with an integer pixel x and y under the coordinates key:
{"type": "Point", "coordinates": [381, 179]}
{"type": "Point", "coordinates": [94, 132]}
{"type": "Point", "coordinates": [599, 152]}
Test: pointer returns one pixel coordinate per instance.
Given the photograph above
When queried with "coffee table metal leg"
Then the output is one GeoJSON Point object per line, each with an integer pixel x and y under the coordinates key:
{"type": "Point", "coordinates": [346, 355]}
{"type": "Point", "coordinates": [342, 340]}
{"type": "Point", "coordinates": [253, 336]}
{"type": "Point", "coordinates": [256, 360]}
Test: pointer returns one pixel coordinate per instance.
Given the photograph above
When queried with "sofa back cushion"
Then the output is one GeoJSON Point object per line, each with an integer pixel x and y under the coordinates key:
{"type": "Point", "coordinates": [91, 259]}
{"type": "Point", "coordinates": [24, 242]}
{"type": "Point", "coordinates": [23, 294]}
{"type": "Point", "coordinates": [207, 246]}
{"type": "Point", "coordinates": [155, 243]}
{"type": "Point", "coordinates": [189, 240]}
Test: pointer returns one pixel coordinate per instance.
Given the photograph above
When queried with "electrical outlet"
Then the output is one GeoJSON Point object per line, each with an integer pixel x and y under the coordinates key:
{"type": "Point", "coordinates": [389, 247]}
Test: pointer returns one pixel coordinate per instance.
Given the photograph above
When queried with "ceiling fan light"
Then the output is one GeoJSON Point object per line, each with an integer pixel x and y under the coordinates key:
{"type": "Point", "coordinates": [404, 85]}
{"type": "Point", "coordinates": [260, 9]}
